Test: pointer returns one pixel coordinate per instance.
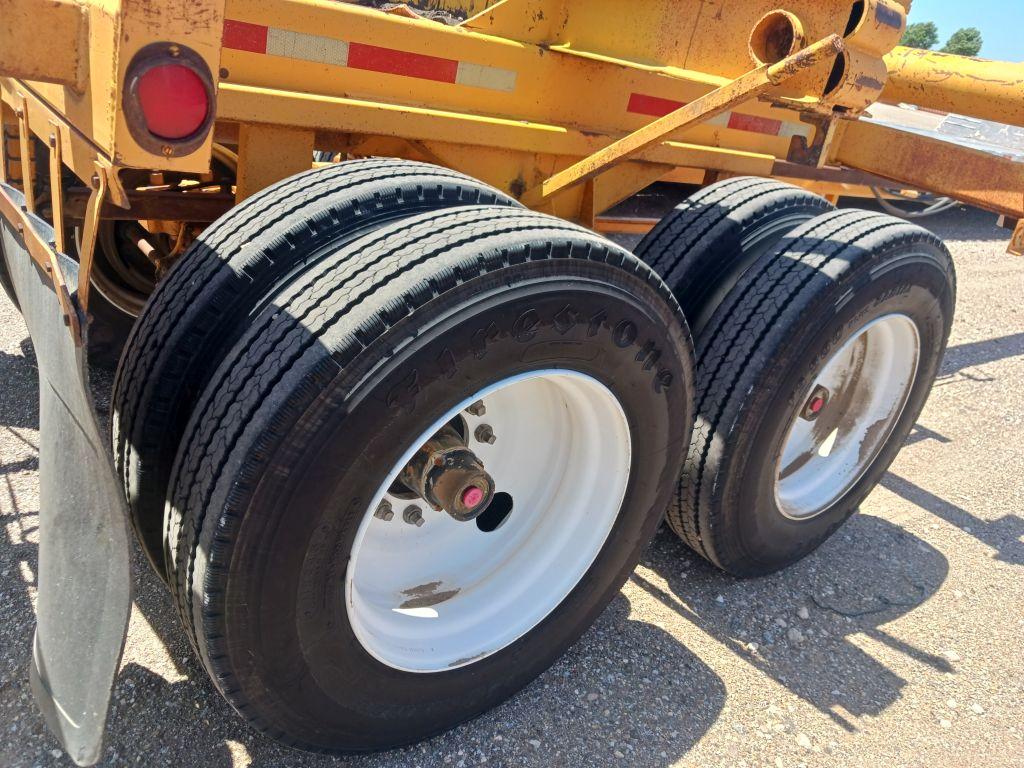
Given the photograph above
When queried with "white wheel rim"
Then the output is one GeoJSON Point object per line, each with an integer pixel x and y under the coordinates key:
{"type": "Point", "coordinates": [447, 594]}
{"type": "Point", "coordinates": [868, 381]}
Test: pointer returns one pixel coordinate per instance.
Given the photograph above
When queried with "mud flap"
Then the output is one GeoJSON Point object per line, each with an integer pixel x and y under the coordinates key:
{"type": "Point", "coordinates": [84, 579]}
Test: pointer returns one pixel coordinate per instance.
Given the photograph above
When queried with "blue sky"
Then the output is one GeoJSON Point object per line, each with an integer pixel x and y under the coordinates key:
{"type": "Point", "coordinates": [1001, 23]}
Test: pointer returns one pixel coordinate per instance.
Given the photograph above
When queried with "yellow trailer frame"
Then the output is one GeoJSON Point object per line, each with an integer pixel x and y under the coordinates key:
{"type": "Point", "coordinates": [571, 106]}
{"type": "Point", "coordinates": [526, 94]}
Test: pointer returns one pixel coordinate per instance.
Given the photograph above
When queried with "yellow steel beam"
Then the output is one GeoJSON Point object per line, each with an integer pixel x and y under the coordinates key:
{"type": "Point", "coordinates": [744, 88]}
{"type": "Point", "coordinates": [269, 153]}
{"type": "Point", "coordinates": [56, 59]}
{"type": "Point", "coordinates": [326, 114]}
{"type": "Point", "coordinates": [990, 90]}
{"type": "Point", "coordinates": [979, 178]}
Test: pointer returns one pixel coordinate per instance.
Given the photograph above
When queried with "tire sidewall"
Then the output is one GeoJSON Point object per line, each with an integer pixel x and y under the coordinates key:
{"type": "Point", "coordinates": [913, 282]}
{"type": "Point", "coordinates": [300, 523]}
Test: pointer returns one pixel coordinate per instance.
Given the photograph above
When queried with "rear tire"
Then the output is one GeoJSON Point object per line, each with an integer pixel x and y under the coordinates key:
{"type": "Point", "coordinates": [764, 354]}
{"type": "Point", "coordinates": [212, 293]}
{"type": "Point", "coordinates": [703, 247]}
{"type": "Point", "coordinates": [288, 452]}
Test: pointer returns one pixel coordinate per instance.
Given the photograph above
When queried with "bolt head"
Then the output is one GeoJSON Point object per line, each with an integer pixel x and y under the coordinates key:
{"type": "Point", "coordinates": [477, 408]}
{"type": "Point", "coordinates": [384, 511]}
{"type": "Point", "coordinates": [485, 434]}
{"type": "Point", "coordinates": [413, 516]}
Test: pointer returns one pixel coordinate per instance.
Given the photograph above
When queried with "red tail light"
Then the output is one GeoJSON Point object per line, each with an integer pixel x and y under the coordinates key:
{"type": "Point", "coordinates": [174, 101]}
{"type": "Point", "coordinates": [168, 100]}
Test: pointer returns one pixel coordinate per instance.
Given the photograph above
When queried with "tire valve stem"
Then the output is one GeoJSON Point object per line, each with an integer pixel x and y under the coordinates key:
{"type": "Point", "coordinates": [384, 511]}
{"type": "Point", "coordinates": [413, 515]}
{"type": "Point", "coordinates": [815, 403]}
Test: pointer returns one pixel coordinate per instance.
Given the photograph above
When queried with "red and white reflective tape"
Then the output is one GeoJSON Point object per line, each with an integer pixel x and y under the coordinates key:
{"type": "Point", "coordinates": [273, 41]}
{"type": "Point", "coordinates": [655, 106]}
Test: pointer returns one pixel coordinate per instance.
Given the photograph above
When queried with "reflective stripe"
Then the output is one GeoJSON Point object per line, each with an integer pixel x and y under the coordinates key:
{"type": "Point", "coordinates": [294, 45]}
{"type": "Point", "coordinates": [656, 106]}
{"type": "Point", "coordinates": [273, 41]}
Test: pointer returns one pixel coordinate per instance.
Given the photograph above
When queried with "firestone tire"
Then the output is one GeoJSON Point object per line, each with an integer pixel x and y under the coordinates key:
{"type": "Point", "coordinates": [703, 247]}
{"type": "Point", "coordinates": [865, 292]}
{"type": "Point", "coordinates": [212, 294]}
{"type": "Point", "coordinates": [291, 443]}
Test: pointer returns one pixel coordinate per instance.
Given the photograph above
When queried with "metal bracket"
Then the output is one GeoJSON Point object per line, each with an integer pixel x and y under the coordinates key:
{"type": "Point", "coordinates": [43, 253]}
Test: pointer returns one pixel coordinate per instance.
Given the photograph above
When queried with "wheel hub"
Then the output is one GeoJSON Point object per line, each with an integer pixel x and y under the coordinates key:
{"type": "Point", "coordinates": [847, 416]}
{"type": "Point", "coordinates": [447, 475]}
{"type": "Point", "coordinates": [441, 593]}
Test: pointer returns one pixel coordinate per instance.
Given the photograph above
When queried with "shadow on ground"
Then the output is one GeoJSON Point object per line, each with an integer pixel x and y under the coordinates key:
{"type": "Point", "coordinates": [868, 574]}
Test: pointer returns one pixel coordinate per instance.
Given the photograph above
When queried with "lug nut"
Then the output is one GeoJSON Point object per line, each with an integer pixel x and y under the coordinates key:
{"type": "Point", "coordinates": [476, 409]}
{"type": "Point", "coordinates": [484, 434]}
{"type": "Point", "coordinates": [815, 403]}
{"type": "Point", "coordinates": [384, 511]}
{"type": "Point", "coordinates": [413, 516]}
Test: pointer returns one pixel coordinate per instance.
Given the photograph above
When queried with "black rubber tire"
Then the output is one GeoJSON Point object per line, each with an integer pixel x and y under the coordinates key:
{"type": "Point", "coordinates": [109, 329]}
{"type": "Point", "coordinates": [703, 247]}
{"type": "Point", "coordinates": [211, 295]}
{"type": "Point", "coordinates": [760, 354]}
{"type": "Point", "coordinates": [320, 398]}
{"type": "Point", "coordinates": [6, 284]}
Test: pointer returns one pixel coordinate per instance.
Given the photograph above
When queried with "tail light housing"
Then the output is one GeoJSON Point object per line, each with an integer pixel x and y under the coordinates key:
{"type": "Point", "coordinates": [168, 99]}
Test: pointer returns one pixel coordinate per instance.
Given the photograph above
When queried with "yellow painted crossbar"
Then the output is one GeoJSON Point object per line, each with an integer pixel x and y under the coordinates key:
{"type": "Point", "coordinates": [708, 106]}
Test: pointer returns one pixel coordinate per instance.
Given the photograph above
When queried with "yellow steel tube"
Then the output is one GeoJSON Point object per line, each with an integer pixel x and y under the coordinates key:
{"type": "Point", "coordinates": [60, 56]}
{"type": "Point", "coordinates": [990, 90]}
{"type": "Point", "coordinates": [743, 88]}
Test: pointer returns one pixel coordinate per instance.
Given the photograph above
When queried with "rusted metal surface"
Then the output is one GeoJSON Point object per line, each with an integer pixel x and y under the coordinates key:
{"type": "Point", "coordinates": [1017, 241]}
{"type": "Point", "coordinates": [969, 175]}
{"type": "Point", "coordinates": [57, 191]}
{"type": "Point", "coordinates": [991, 90]}
{"type": "Point", "coordinates": [199, 208]}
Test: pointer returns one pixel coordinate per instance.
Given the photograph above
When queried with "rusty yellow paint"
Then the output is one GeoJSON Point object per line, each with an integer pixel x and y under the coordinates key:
{"type": "Point", "coordinates": [269, 153]}
{"type": "Point", "coordinates": [991, 90]}
{"type": "Point", "coordinates": [87, 248]}
{"type": "Point", "coordinates": [26, 150]}
{"type": "Point", "coordinates": [60, 59]}
{"type": "Point", "coordinates": [576, 67]}
{"type": "Point", "coordinates": [1017, 240]}
{"type": "Point", "coordinates": [57, 189]}
{"type": "Point", "coordinates": [113, 31]}
{"type": "Point", "coordinates": [942, 167]}
{"type": "Point", "coordinates": [744, 88]}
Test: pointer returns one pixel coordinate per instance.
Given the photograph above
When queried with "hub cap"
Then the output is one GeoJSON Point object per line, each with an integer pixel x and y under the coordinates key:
{"type": "Point", "coordinates": [431, 597]}
{"type": "Point", "coordinates": [846, 416]}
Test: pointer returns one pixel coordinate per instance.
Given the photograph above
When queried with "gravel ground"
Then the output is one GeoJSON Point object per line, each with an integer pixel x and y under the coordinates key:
{"type": "Point", "coordinates": [897, 643]}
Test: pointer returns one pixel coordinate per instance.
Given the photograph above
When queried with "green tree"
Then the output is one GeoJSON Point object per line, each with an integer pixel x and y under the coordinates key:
{"type": "Point", "coordinates": [923, 34]}
{"type": "Point", "coordinates": [965, 42]}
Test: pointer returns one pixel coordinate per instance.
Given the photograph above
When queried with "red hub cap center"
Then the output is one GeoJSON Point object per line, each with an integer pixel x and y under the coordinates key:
{"type": "Point", "coordinates": [472, 496]}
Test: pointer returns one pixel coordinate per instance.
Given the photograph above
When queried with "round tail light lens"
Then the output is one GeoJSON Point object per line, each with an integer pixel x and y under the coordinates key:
{"type": "Point", "coordinates": [168, 99]}
{"type": "Point", "coordinates": [173, 100]}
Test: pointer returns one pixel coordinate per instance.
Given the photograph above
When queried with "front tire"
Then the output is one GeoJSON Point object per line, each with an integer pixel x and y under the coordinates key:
{"type": "Point", "coordinates": [297, 437]}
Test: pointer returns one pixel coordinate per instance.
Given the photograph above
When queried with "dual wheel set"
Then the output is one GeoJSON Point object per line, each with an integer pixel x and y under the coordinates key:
{"type": "Point", "coordinates": [395, 441]}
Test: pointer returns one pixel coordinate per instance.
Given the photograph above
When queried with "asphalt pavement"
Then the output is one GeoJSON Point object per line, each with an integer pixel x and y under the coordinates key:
{"type": "Point", "coordinates": [899, 642]}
